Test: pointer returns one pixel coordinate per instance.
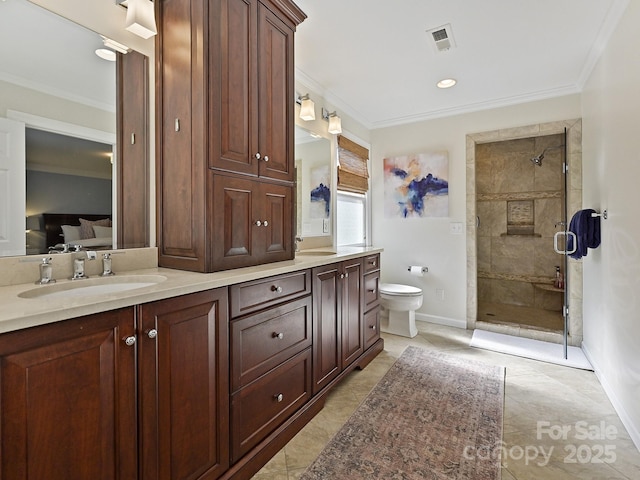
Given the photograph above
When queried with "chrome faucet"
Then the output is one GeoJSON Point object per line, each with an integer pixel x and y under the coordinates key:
{"type": "Point", "coordinates": [297, 241]}
{"type": "Point", "coordinates": [78, 265]}
{"type": "Point", "coordinates": [46, 272]}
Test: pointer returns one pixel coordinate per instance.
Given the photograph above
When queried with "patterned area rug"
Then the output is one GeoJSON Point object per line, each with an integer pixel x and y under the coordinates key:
{"type": "Point", "coordinates": [432, 416]}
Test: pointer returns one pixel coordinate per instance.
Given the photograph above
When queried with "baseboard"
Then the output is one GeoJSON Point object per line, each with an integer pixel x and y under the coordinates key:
{"type": "Point", "coordinates": [449, 322]}
{"type": "Point", "coordinates": [617, 405]}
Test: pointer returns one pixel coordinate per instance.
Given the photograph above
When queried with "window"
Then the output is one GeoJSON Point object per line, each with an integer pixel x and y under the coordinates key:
{"type": "Point", "coordinates": [351, 219]}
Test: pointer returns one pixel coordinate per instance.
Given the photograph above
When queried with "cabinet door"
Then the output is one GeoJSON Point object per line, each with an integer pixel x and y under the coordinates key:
{"type": "Point", "coordinates": [184, 387]}
{"type": "Point", "coordinates": [233, 91]}
{"type": "Point", "coordinates": [352, 302]}
{"type": "Point", "coordinates": [234, 220]}
{"type": "Point", "coordinates": [276, 232]}
{"type": "Point", "coordinates": [275, 96]}
{"type": "Point", "coordinates": [181, 180]}
{"type": "Point", "coordinates": [326, 326]}
{"type": "Point", "coordinates": [68, 400]}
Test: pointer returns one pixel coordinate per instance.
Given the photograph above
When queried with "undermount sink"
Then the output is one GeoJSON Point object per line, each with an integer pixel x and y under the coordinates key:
{"type": "Point", "coordinates": [93, 286]}
{"type": "Point", "coordinates": [303, 253]}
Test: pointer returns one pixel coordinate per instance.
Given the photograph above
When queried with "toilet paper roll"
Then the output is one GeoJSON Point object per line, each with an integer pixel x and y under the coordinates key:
{"type": "Point", "coordinates": [416, 270]}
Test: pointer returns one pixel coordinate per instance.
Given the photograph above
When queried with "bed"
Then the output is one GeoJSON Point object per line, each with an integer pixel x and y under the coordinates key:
{"type": "Point", "coordinates": [88, 230]}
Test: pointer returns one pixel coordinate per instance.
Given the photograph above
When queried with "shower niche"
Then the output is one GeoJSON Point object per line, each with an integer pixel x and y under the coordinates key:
{"type": "Point", "coordinates": [519, 204]}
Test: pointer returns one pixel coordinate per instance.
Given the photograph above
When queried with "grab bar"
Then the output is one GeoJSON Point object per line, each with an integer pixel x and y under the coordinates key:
{"type": "Point", "coordinates": [565, 252]}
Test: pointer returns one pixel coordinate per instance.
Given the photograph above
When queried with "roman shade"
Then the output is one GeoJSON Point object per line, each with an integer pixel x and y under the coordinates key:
{"type": "Point", "coordinates": [353, 172]}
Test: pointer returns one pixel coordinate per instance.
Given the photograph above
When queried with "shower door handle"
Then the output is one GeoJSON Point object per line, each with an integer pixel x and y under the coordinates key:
{"type": "Point", "coordinates": [565, 252]}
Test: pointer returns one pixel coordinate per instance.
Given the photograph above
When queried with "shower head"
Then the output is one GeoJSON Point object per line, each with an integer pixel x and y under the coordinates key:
{"type": "Point", "coordinates": [537, 160]}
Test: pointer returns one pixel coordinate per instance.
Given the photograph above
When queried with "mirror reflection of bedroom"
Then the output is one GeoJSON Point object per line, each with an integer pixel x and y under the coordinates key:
{"type": "Point", "coordinates": [67, 179]}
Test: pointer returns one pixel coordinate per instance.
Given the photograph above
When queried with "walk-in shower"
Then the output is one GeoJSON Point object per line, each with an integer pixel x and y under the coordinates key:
{"type": "Point", "coordinates": [519, 209]}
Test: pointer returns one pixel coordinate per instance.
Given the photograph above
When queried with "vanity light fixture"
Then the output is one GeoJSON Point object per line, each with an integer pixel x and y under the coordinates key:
{"type": "Point", "coordinates": [335, 124]}
{"type": "Point", "coordinates": [307, 108]}
{"type": "Point", "coordinates": [447, 83]}
{"type": "Point", "coordinates": [141, 18]}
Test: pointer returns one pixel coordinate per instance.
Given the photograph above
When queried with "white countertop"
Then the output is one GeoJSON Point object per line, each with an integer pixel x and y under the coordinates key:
{"type": "Point", "coordinates": [17, 313]}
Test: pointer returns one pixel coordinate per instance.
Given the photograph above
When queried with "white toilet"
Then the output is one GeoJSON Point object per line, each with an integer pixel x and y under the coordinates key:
{"type": "Point", "coordinates": [399, 303]}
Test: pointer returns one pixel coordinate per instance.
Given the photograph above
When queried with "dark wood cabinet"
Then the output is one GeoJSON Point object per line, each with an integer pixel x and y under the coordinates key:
{"type": "Point", "coordinates": [351, 311]}
{"type": "Point", "coordinates": [225, 104]}
{"type": "Point", "coordinates": [68, 400]}
{"type": "Point", "coordinates": [338, 319]}
{"type": "Point", "coordinates": [184, 387]}
{"type": "Point", "coordinates": [132, 127]}
{"type": "Point", "coordinates": [327, 333]}
{"type": "Point", "coordinates": [96, 397]}
{"type": "Point", "coordinates": [254, 222]}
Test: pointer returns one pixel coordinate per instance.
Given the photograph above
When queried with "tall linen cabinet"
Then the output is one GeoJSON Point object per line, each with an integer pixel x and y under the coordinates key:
{"type": "Point", "coordinates": [225, 115]}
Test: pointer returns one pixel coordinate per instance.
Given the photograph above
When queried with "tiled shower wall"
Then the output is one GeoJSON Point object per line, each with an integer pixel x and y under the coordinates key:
{"type": "Point", "coordinates": [518, 207]}
{"type": "Point", "coordinates": [574, 275]}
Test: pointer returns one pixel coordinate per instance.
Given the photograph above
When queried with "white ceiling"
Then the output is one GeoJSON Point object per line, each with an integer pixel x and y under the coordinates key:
{"type": "Point", "coordinates": [373, 60]}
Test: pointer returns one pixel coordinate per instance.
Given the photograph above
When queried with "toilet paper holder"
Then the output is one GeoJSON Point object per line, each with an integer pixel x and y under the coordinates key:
{"type": "Point", "coordinates": [424, 269]}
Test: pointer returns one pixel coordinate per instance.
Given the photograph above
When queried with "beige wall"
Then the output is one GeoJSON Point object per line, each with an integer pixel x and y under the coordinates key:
{"type": "Point", "coordinates": [611, 164]}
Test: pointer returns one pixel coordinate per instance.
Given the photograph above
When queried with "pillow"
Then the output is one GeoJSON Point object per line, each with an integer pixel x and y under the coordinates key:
{"type": "Point", "coordinates": [71, 233]}
{"type": "Point", "coordinates": [86, 227]}
{"type": "Point", "coordinates": [102, 232]}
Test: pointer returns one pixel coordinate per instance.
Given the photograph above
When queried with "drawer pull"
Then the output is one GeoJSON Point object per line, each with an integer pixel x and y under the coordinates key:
{"type": "Point", "coordinates": [371, 290]}
{"type": "Point", "coordinates": [276, 288]}
{"type": "Point", "coordinates": [372, 263]}
{"type": "Point", "coordinates": [279, 397]}
{"type": "Point", "coordinates": [130, 341]}
{"type": "Point", "coordinates": [279, 336]}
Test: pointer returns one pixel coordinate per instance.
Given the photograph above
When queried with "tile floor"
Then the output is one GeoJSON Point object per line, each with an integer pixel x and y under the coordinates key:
{"type": "Point", "coordinates": [558, 422]}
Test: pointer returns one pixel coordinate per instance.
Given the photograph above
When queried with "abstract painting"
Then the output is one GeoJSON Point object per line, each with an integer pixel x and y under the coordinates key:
{"type": "Point", "coordinates": [320, 192]}
{"type": "Point", "coordinates": [416, 185]}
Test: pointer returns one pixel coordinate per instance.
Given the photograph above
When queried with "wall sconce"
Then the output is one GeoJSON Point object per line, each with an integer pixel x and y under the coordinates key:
{"type": "Point", "coordinates": [307, 108]}
{"type": "Point", "coordinates": [335, 124]}
{"type": "Point", "coordinates": [141, 19]}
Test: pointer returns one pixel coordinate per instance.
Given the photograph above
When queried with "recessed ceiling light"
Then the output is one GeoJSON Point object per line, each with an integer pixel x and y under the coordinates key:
{"type": "Point", "coordinates": [447, 83]}
{"type": "Point", "coordinates": [106, 54]}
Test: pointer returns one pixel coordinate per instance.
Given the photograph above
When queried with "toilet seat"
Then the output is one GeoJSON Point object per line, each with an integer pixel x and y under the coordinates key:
{"type": "Point", "coordinates": [394, 289]}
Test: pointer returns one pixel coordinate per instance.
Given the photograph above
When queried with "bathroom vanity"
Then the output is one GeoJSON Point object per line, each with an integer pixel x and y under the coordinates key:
{"type": "Point", "coordinates": [193, 376]}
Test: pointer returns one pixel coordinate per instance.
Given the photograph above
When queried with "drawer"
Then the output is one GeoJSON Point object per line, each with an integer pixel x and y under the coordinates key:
{"type": "Point", "coordinates": [252, 296]}
{"type": "Point", "coordinates": [371, 263]}
{"type": "Point", "coordinates": [371, 290]}
{"type": "Point", "coordinates": [261, 406]}
{"type": "Point", "coordinates": [371, 327]}
{"type": "Point", "coordinates": [261, 341]}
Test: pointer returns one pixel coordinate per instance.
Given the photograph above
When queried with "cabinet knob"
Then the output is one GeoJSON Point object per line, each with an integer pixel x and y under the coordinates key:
{"type": "Point", "coordinates": [372, 263]}
{"type": "Point", "coordinates": [258, 223]}
{"type": "Point", "coordinates": [342, 275]}
{"type": "Point", "coordinates": [371, 290]}
{"type": "Point", "coordinates": [276, 288]}
{"type": "Point", "coordinates": [372, 327]}
{"type": "Point", "coordinates": [265, 224]}
{"type": "Point", "coordinates": [279, 336]}
{"type": "Point", "coordinates": [279, 397]}
{"type": "Point", "coordinates": [266, 158]}
{"type": "Point", "coordinates": [258, 156]}
{"type": "Point", "coordinates": [153, 333]}
{"type": "Point", "coordinates": [176, 125]}
{"type": "Point", "coordinates": [130, 340]}
{"type": "Point", "coordinates": [346, 275]}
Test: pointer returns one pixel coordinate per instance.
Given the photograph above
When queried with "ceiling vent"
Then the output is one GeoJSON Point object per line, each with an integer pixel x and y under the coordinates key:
{"type": "Point", "coordinates": [442, 38]}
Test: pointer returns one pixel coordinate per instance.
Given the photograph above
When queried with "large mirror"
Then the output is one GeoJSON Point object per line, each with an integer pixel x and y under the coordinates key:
{"type": "Point", "coordinates": [62, 95]}
{"type": "Point", "coordinates": [313, 167]}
